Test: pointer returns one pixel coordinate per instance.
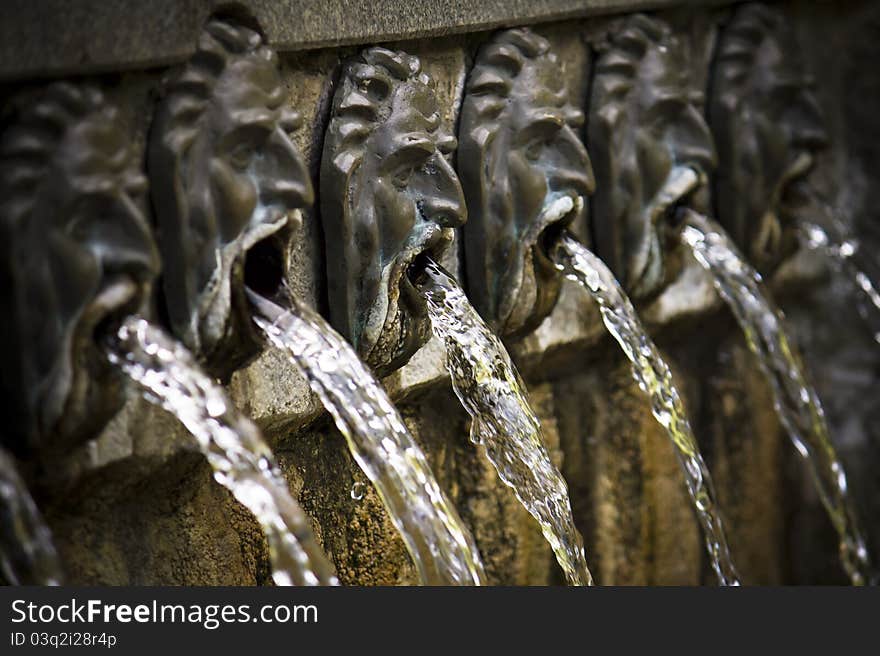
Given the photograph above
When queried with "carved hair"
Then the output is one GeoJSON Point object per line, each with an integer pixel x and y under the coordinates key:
{"type": "Point", "coordinates": [188, 95]}
{"type": "Point", "coordinates": [735, 59]}
{"type": "Point", "coordinates": [27, 149]}
{"type": "Point", "coordinates": [617, 69]}
{"type": "Point", "coordinates": [495, 73]}
{"type": "Point", "coordinates": [365, 100]}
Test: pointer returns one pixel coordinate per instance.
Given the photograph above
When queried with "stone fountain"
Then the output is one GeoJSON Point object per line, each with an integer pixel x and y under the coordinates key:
{"type": "Point", "coordinates": [165, 167]}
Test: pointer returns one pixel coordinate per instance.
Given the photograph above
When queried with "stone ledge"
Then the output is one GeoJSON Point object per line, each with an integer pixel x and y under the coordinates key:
{"type": "Point", "coordinates": [44, 38]}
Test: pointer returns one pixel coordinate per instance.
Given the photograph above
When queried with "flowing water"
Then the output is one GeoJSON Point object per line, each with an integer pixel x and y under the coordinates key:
{"type": "Point", "coordinates": [655, 379]}
{"type": "Point", "coordinates": [27, 554]}
{"type": "Point", "coordinates": [488, 386]}
{"type": "Point", "coordinates": [441, 546]}
{"type": "Point", "coordinates": [846, 254]}
{"type": "Point", "coordinates": [235, 449]}
{"type": "Point", "coordinates": [795, 400]}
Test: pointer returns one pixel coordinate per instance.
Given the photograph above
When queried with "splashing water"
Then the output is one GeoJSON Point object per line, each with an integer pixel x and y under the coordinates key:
{"type": "Point", "coordinates": [441, 546]}
{"type": "Point", "coordinates": [235, 449]}
{"type": "Point", "coordinates": [357, 492]}
{"type": "Point", "coordinates": [488, 386]}
{"type": "Point", "coordinates": [27, 554]}
{"type": "Point", "coordinates": [796, 402]}
{"type": "Point", "coordinates": [846, 256]}
{"type": "Point", "coordinates": [654, 378]}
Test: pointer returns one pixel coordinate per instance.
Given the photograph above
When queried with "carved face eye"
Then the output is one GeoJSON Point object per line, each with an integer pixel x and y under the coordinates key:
{"type": "Point", "coordinates": [136, 187]}
{"type": "Point", "coordinates": [665, 113]}
{"type": "Point", "coordinates": [242, 155]}
{"type": "Point", "coordinates": [534, 149]}
{"type": "Point", "coordinates": [82, 218]}
{"type": "Point", "coordinates": [402, 177]}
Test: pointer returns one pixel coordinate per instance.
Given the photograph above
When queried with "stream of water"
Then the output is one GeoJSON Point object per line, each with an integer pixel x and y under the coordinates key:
{"type": "Point", "coordinates": [240, 458]}
{"type": "Point", "coordinates": [488, 386]}
{"type": "Point", "coordinates": [796, 402]}
{"type": "Point", "coordinates": [27, 553]}
{"type": "Point", "coordinates": [845, 254]}
{"type": "Point", "coordinates": [654, 378]}
{"type": "Point", "coordinates": [441, 546]}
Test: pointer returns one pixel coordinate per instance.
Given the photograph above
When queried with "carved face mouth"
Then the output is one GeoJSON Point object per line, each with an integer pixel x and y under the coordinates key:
{"type": "Point", "coordinates": [406, 326]}
{"type": "Point", "coordinates": [256, 259]}
{"type": "Point", "coordinates": [660, 216]}
{"type": "Point", "coordinates": [532, 283]}
{"type": "Point", "coordinates": [118, 299]}
{"type": "Point", "coordinates": [544, 234]}
{"type": "Point", "coordinates": [410, 266]}
{"type": "Point", "coordinates": [88, 406]}
{"type": "Point", "coordinates": [788, 197]}
{"type": "Point", "coordinates": [262, 263]}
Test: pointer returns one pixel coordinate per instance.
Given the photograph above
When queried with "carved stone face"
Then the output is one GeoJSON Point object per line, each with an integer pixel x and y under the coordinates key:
{"type": "Point", "coordinates": [227, 182]}
{"type": "Point", "coordinates": [388, 194]}
{"type": "Point", "coordinates": [79, 253]}
{"type": "Point", "coordinates": [768, 127]}
{"type": "Point", "coordinates": [645, 125]}
{"type": "Point", "coordinates": [519, 153]}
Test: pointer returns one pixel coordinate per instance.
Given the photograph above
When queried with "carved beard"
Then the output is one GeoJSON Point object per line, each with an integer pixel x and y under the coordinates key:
{"type": "Point", "coordinates": [395, 322]}
{"type": "Point", "coordinates": [528, 282]}
{"type": "Point", "coordinates": [751, 192]}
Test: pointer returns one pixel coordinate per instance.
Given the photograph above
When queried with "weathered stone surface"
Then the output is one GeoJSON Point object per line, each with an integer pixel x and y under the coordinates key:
{"type": "Point", "coordinates": [636, 519]}
{"type": "Point", "coordinates": [748, 451]}
{"type": "Point", "coordinates": [135, 523]}
{"type": "Point", "coordinates": [54, 37]}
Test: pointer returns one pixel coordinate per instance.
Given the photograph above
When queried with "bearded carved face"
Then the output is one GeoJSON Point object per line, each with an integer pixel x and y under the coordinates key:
{"type": "Point", "coordinates": [519, 156]}
{"type": "Point", "coordinates": [647, 136]}
{"type": "Point", "coordinates": [227, 184]}
{"type": "Point", "coordinates": [388, 194]}
{"type": "Point", "coordinates": [768, 128]}
{"type": "Point", "coordinates": [78, 253]}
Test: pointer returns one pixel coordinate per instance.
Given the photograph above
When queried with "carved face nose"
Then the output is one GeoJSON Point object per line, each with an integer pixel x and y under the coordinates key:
{"type": "Point", "coordinates": [808, 128]}
{"type": "Point", "coordinates": [694, 144]}
{"type": "Point", "coordinates": [129, 245]}
{"type": "Point", "coordinates": [446, 207]}
{"type": "Point", "coordinates": [575, 170]}
{"type": "Point", "coordinates": [288, 182]}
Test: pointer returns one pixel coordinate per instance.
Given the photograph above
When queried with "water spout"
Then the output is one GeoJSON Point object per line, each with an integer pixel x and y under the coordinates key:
{"type": "Point", "coordinates": [794, 398]}
{"type": "Point", "coordinates": [654, 378]}
{"type": "Point", "coordinates": [490, 389]}
{"type": "Point", "coordinates": [27, 554]}
{"type": "Point", "coordinates": [235, 449]}
{"type": "Point", "coordinates": [441, 546]}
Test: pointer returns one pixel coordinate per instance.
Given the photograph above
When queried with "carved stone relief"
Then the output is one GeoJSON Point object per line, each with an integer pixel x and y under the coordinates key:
{"type": "Point", "coordinates": [388, 194]}
{"type": "Point", "coordinates": [767, 127]}
{"type": "Point", "coordinates": [227, 185]}
{"type": "Point", "coordinates": [519, 153]}
{"type": "Point", "coordinates": [645, 128]}
{"type": "Point", "coordinates": [77, 252]}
